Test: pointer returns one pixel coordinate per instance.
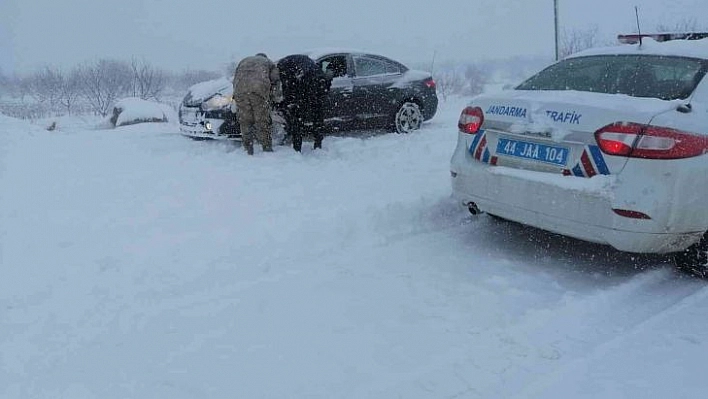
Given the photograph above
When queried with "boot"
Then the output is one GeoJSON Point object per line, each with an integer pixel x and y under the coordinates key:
{"type": "Point", "coordinates": [249, 148]}
{"type": "Point", "coordinates": [297, 144]}
{"type": "Point", "coordinates": [318, 144]}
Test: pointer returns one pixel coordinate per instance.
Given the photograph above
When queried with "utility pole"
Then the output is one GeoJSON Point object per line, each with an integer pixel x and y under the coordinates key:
{"type": "Point", "coordinates": [555, 26]}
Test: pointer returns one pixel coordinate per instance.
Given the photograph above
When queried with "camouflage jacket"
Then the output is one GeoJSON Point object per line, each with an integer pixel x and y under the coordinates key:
{"type": "Point", "coordinates": [255, 74]}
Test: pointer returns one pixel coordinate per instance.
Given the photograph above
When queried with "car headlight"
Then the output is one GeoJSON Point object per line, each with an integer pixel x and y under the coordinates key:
{"type": "Point", "coordinates": [207, 125]}
{"type": "Point", "coordinates": [216, 102]}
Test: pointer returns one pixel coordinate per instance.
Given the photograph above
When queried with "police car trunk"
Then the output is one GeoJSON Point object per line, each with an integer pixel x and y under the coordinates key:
{"type": "Point", "coordinates": [542, 154]}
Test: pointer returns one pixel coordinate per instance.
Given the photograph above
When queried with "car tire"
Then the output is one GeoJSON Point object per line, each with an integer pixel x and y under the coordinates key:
{"type": "Point", "coordinates": [408, 118]}
{"type": "Point", "coordinates": [230, 127]}
{"type": "Point", "coordinates": [694, 260]}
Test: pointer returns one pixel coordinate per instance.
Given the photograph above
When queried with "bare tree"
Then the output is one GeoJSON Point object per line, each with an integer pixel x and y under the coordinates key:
{"type": "Point", "coordinates": [21, 87]}
{"type": "Point", "coordinates": [476, 78]}
{"type": "Point", "coordinates": [148, 81]}
{"type": "Point", "coordinates": [182, 81]}
{"type": "Point", "coordinates": [103, 82]}
{"type": "Point", "coordinates": [70, 89]}
{"type": "Point", "coordinates": [5, 84]}
{"type": "Point", "coordinates": [449, 82]}
{"type": "Point", "coordinates": [45, 86]}
{"type": "Point", "coordinates": [574, 40]}
{"type": "Point", "coordinates": [684, 25]}
{"type": "Point", "coordinates": [231, 68]}
{"type": "Point", "coordinates": [3, 80]}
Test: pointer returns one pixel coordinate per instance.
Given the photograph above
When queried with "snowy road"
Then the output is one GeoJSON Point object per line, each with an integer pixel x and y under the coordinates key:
{"type": "Point", "coordinates": [139, 264]}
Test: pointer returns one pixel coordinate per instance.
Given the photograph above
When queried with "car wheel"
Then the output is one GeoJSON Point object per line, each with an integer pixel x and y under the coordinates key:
{"type": "Point", "coordinates": [694, 259]}
{"type": "Point", "coordinates": [408, 118]}
{"type": "Point", "coordinates": [230, 128]}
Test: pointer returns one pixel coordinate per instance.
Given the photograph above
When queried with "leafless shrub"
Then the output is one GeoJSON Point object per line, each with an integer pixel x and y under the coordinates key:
{"type": "Point", "coordinates": [24, 111]}
{"type": "Point", "coordinates": [105, 81]}
{"type": "Point", "coordinates": [44, 86]}
{"type": "Point", "coordinates": [92, 87]}
{"type": "Point", "coordinates": [476, 78]}
{"type": "Point", "coordinates": [574, 40]}
{"type": "Point", "coordinates": [17, 87]}
{"type": "Point", "coordinates": [231, 68]}
{"type": "Point", "coordinates": [70, 85]}
{"type": "Point", "coordinates": [461, 79]}
{"type": "Point", "coordinates": [148, 82]}
{"type": "Point", "coordinates": [4, 84]}
{"type": "Point", "coordinates": [449, 82]}
{"type": "Point", "coordinates": [684, 25]}
{"type": "Point", "coordinates": [182, 81]}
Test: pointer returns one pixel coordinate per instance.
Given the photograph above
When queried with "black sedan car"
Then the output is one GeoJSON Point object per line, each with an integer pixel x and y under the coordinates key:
{"type": "Point", "coordinates": [368, 92]}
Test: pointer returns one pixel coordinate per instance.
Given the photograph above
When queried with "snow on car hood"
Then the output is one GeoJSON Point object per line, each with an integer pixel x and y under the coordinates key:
{"type": "Point", "coordinates": [201, 91]}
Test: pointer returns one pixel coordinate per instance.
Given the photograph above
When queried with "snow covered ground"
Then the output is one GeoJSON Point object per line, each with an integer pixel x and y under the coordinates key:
{"type": "Point", "coordinates": [135, 263]}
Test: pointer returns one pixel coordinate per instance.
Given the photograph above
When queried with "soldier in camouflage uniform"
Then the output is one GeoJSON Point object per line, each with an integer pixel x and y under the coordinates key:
{"type": "Point", "coordinates": [254, 80]}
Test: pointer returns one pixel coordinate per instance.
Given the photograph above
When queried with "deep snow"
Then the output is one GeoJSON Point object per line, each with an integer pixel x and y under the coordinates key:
{"type": "Point", "coordinates": [135, 263]}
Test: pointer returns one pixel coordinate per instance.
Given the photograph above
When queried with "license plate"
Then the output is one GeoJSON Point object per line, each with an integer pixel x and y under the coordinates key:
{"type": "Point", "coordinates": [534, 151]}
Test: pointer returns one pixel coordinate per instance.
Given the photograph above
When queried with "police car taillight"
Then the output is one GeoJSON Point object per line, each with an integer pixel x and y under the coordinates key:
{"type": "Point", "coordinates": [471, 120]}
{"type": "Point", "coordinates": [650, 142]}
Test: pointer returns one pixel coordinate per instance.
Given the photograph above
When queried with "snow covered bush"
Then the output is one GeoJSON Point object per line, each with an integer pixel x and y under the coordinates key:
{"type": "Point", "coordinates": [132, 110]}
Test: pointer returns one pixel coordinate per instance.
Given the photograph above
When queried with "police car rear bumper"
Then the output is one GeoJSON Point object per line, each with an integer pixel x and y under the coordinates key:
{"type": "Point", "coordinates": [571, 206]}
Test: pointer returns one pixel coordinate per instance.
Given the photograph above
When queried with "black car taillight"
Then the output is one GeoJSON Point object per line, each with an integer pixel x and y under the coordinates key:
{"type": "Point", "coordinates": [429, 83]}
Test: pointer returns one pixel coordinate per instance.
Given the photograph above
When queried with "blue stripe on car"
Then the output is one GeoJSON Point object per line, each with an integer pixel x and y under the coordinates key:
{"type": "Point", "coordinates": [599, 160]}
{"type": "Point", "coordinates": [485, 157]}
{"type": "Point", "coordinates": [578, 171]}
{"type": "Point", "coordinates": [475, 142]}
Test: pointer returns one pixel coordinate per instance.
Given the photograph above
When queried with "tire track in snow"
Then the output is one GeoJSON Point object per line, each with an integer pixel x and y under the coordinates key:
{"type": "Point", "coordinates": [500, 362]}
{"type": "Point", "coordinates": [695, 294]}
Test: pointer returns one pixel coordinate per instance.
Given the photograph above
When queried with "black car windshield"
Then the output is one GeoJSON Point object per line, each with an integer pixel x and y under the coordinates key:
{"type": "Point", "coordinates": [654, 76]}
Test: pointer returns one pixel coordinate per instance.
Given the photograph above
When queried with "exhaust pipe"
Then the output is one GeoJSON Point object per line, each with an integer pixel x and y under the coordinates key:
{"type": "Point", "coordinates": [473, 208]}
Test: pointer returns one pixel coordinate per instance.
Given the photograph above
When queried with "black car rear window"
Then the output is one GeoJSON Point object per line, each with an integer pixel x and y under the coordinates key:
{"type": "Point", "coordinates": [663, 77]}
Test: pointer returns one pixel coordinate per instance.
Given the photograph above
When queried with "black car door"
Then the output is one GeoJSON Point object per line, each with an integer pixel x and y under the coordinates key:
{"type": "Point", "coordinates": [375, 91]}
{"type": "Point", "coordinates": [338, 108]}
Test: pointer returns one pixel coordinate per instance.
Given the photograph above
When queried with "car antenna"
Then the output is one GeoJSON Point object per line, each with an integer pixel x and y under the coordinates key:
{"type": "Point", "coordinates": [432, 63]}
{"type": "Point", "coordinates": [639, 29]}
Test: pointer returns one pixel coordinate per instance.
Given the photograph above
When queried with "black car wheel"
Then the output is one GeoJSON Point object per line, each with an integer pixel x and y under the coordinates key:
{"type": "Point", "coordinates": [694, 259]}
{"type": "Point", "coordinates": [408, 118]}
{"type": "Point", "coordinates": [230, 128]}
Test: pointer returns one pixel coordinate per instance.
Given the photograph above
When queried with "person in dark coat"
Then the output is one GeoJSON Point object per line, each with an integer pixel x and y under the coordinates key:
{"type": "Point", "coordinates": [305, 87]}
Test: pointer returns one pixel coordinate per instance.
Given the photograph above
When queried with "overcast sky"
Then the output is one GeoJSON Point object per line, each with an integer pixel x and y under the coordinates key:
{"type": "Point", "coordinates": [207, 34]}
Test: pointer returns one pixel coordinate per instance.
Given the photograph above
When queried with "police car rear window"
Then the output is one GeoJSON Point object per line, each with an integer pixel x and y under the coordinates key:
{"type": "Point", "coordinates": [663, 77]}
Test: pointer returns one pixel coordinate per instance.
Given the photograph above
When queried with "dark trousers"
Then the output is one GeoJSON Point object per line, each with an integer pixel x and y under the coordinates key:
{"type": "Point", "coordinates": [304, 119]}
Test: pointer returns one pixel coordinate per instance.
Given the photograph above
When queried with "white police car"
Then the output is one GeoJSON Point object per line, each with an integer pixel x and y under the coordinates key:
{"type": "Point", "coordinates": [608, 145]}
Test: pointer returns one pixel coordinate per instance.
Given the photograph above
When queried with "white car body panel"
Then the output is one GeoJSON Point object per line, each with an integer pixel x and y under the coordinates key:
{"type": "Point", "coordinates": [671, 192]}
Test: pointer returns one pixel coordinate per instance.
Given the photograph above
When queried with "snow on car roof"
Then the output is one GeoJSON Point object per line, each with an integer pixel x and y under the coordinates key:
{"type": "Point", "coordinates": [321, 52]}
{"type": "Point", "coordinates": [676, 48]}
